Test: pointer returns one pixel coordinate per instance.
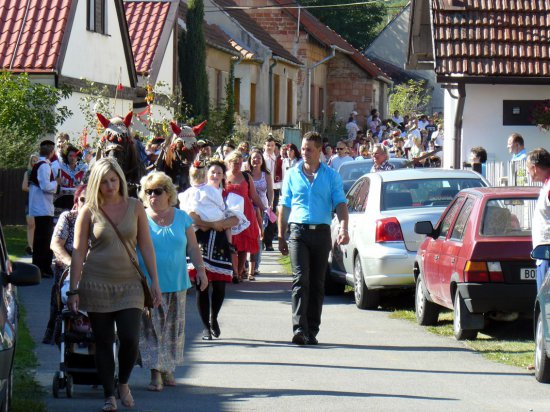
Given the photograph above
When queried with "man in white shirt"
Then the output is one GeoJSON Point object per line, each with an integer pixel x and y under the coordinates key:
{"type": "Point", "coordinates": [42, 187]}
{"type": "Point", "coordinates": [538, 166]}
{"type": "Point", "coordinates": [397, 118]}
{"type": "Point", "coordinates": [352, 128]}
{"type": "Point", "coordinates": [341, 157]}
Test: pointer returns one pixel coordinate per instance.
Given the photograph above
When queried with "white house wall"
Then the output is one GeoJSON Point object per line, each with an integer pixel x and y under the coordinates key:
{"type": "Point", "coordinates": [166, 72]}
{"type": "Point", "coordinates": [93, 56]}
{"type": "Point", "coordinates": [75, 124]}
{"type": "Point", "coordinates": [482, 124]}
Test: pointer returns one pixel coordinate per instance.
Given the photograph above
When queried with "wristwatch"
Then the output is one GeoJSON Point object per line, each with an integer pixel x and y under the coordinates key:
{"type": "Point", "coordinates": [72, 292]}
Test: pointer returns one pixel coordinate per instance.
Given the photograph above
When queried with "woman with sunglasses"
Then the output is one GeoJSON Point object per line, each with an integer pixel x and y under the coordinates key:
{"type": "Point", "coordinates": [163, 335]}
{"type": "Point", "coordinates": [62, 247]}
{"type": "Point", "coordinates": [104, 280]}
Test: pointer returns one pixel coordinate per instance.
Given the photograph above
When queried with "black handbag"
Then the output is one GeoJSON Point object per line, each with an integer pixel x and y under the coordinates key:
{"type": "Point", "coordinates": [148, 296]}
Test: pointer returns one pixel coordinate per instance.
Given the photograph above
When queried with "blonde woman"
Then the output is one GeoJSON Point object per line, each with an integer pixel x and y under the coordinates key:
{"type": "Point", "coordinates": [107, 285]}
{"type": "Point", "coordinates": [171, 229]}
{"type": "Point", "coordinates": [33, 159]}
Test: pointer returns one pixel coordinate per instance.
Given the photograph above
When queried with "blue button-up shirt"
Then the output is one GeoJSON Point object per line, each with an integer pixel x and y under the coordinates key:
{"type": "Point", "coordinates": [521, 155]}
{"type": "Point", "coordinates": [312, 203]}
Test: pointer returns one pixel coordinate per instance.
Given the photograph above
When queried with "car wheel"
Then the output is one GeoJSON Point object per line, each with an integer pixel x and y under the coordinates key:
{"type": "Point", "coordinates": [55, 384]}
{"type": "Point", "coordinates": [69, 389]}
{"type": "Point", "coordinates": [542, 363]}
{"type": "Point", "coordinates": [332, 287]}
{"type": "Point", "coordinates": [364, 297]}
{"type": "Point", "coordinates": [427, 313]}
{"type": "Point", "coordinates": [460, 311]}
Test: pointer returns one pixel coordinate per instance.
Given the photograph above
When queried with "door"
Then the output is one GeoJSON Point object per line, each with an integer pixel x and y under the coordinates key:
{"type": "Point", "coordinates": [450, 250]}
{"type": "Point", "coordinates": [433, 251]}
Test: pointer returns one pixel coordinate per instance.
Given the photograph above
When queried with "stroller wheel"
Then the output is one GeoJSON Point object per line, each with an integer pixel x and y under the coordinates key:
{"type": "Point", "coordinates": [70, 387]}
{"type": "Point", "coordinates": [55, 384]}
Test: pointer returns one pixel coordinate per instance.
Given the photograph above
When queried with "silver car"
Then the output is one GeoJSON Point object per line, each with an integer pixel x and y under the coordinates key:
{"type": "Point", "coordinates": [383, 208]}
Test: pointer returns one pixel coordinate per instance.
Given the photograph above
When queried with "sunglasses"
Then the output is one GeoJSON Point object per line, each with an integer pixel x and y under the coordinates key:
{"type": "Point", "coordinates": [340, 148]}
{"type": "Point", "coordinates": [82, 199]}
{"type": "Point", "coordinates": [157, 191]}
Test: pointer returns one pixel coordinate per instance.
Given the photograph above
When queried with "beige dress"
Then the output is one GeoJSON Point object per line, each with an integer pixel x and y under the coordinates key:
{"type": "Point", "coordinates": [110, 282]}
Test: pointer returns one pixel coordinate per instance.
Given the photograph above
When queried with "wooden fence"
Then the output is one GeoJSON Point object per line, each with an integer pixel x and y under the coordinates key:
{"type": "Point", "coordinates": [12, 198]}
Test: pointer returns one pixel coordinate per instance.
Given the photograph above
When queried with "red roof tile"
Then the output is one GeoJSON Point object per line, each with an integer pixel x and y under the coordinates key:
{"type": "Point", "coordinates": [328, 37]}
{"type": "Point", "coordinates": [146, 21]}
{"type": "Point", "coordinates": [31, 34]}
{"type": "Point", "coordinates": [251, 26]}
{"type": "Point", "coordinates": [492, 38]}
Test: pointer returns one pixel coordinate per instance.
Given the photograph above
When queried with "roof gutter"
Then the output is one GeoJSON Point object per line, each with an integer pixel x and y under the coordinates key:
{"type": "Point", "coordinates": [334, 49]}
{"type": "Point", "coordinates": [457, 137]}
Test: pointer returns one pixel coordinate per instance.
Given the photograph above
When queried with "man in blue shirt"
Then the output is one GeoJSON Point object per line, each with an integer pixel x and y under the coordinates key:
{"type": "Point", "coordinates": [516, 147]}
{"type": "Point", "coordinates": [311, 191]}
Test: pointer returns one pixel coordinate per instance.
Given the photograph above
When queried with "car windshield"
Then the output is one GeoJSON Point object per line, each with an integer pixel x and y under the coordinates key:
{"type": "Point", "coordinates": [420, 193]}
{"type": "Point", "coordinates": [508, 217]}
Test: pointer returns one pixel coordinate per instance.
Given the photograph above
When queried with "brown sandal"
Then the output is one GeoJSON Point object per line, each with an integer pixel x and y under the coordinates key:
{"type": "Point", "coordinates": [168, 379]}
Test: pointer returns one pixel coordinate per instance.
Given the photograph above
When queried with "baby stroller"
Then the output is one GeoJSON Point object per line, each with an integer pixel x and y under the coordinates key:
{"type": "Point", "coordinates": [76, 345]}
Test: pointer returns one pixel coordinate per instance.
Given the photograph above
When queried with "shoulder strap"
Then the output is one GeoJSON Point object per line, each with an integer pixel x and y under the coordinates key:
{"type": "Point", "coordinates": [132, 258]}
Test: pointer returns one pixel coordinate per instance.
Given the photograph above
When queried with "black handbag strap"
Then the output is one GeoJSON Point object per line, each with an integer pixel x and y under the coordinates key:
{"type": "Point", "coordinates": [132, 258]}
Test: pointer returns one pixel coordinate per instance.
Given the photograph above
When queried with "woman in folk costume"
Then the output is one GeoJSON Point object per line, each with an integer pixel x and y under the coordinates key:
{"type": "Point", "coordinates": [181, 153]}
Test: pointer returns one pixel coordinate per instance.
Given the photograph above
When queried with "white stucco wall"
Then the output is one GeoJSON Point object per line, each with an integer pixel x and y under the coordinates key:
{"type": "Point", "coordinates": [95, 56]}
{"type": "Point", "coordinates": [75, 124]}
{"type": "Point", "coordinates": [166, 72]}
{"type": "Point", "coordinates": [483, 117]}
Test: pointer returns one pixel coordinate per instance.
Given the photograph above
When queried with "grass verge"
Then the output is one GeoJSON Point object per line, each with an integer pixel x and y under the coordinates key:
{"type": "Point", "coordinates": [510, 343]}
{"type": "Point", "coordinates": [284, 261]}
{"type": "Point", "coordinates": [27, 393]}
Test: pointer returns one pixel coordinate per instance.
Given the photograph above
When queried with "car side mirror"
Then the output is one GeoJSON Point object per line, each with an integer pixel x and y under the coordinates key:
{"type": "Point", "coordinates": [424, 228]}
{"type": "Point", "coordinates": [23, 274]}
{"type": "Point", "coordinates": [541, 252]}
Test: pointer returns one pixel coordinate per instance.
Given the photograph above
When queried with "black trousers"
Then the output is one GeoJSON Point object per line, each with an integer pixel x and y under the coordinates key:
{"type": "Point", "coordinates": [41, 253]}
{"type": "Point", "coordinates": [271, 228]}
{"type": "Point", "coordinates": [128, 324]}
{"type": "Point", "coordinates": [203, 301]}
{"type": "Point", "coordinates": [309, 249]}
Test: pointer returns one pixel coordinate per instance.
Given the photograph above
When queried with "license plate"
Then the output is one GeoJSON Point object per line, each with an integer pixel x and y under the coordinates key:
{"type": "Point", "coordinates": [528, 274]}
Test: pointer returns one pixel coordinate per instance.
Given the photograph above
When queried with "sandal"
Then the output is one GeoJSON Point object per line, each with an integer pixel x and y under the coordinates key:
{"type": "Point", "coordinates": [110, 404]}
{"type": "Point", "coordinates": [156, 382]}
{"type": "Point", "coordinates": [251, 277]}
{"type": "Point", "coordinates": [168, 379]}
{"type": "Point", "coordinates": [126, 398]}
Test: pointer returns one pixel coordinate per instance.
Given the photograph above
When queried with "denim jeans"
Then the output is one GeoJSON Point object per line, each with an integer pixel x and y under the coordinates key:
{"type": "Point", "coordinates": [309, 249]}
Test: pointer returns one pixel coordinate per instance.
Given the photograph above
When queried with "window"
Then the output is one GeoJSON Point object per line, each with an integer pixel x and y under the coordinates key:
{"type": "Point", "coordinates": [449, 218]}
{"type": "Point", "coordinates": [252, 103]}
{"type": "Point", "coordinates": [356, 197]}
{"type": "Point", "coordinates": [462, 220]}
{"type": "Point", "coordinates": [289, 102]}
{"type": "Point", "coordinates": [508, 217]}
{"type": "Point", "coordinates": [96, 14]}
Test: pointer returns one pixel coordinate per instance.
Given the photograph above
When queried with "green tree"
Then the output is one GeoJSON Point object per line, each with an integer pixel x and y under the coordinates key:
{"type": "Point", "coordinates": [358, 25]}
{"type": "Point", "coordinates": [410, 98]}
{"type": "Point", "coordinates": [194, 79]}
{"type": "Point", "coordinates": [28, 111]}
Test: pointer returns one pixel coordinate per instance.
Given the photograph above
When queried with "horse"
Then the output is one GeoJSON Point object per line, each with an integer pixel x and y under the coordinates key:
{"type": "Point", "coordinates": [117, 143]}
{"type": "Point", "coordinates": [179, 153]}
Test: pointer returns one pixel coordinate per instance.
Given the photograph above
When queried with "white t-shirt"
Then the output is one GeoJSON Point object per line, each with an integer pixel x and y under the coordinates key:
{"type": "Point", "coordinates": [541, 218]}
{"type": "Point", "coordinates": [352, 129]}
{"type": "Point", "coordinates": [336, 161]}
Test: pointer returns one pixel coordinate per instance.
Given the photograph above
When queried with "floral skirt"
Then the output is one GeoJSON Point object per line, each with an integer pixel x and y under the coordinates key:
{"type": "Point", "coordinates": [163, 334]}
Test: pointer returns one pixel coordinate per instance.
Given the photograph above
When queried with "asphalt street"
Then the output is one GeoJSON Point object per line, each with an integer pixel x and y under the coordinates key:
{"type": "Point", "coordinates": [364, 361]}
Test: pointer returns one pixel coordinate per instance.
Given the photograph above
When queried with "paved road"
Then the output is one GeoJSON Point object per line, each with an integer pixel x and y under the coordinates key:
{"type": "Point", "coordinates": [365, 361]}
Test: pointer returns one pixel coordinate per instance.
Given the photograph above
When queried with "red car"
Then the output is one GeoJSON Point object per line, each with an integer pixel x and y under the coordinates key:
{"type": "Point", "coordinates": [477, 259]}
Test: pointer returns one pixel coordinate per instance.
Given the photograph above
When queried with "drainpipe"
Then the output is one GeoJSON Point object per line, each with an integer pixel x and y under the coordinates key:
{"type": "Point", "coordinates": [457, 138]}
{"type": "Point", "coordinates": [334, 48]}
{"type": "Point", "coordinates": [271, 66]}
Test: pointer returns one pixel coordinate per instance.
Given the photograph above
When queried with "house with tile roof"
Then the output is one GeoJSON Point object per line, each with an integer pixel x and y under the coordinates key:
{"type": "Point", "coordinates": [335, 78]}
{"type": "Point", "coordinates": [388, 50]}
{"type": "Point", "coordinates": [493, 60]}
{"type": "Point", "coordinates": [221, 51]}
{"type": "Point", "coordinates": [153, 35]}
{"type": "Point", "coordinates": [62, 42]}
{"type": "Point", "coordinates": [266, 74]}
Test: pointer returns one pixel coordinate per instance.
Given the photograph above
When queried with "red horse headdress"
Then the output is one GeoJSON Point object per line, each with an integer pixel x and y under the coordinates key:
{"type": "Point", "coordinates": [116, 129]}
{"type": "Point", "coordinates": [187, 134]}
